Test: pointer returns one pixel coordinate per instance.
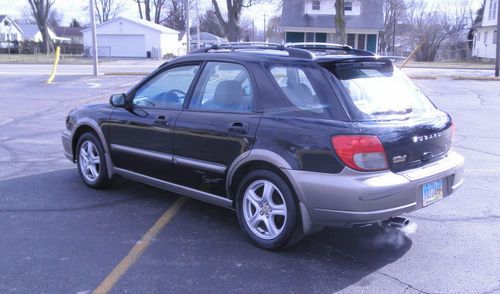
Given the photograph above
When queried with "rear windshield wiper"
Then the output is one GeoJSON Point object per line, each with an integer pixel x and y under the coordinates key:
{"type": "Point", "coordinates": [392, 112]}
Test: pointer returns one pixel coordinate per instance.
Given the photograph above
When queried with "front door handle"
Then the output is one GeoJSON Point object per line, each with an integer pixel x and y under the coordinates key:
{"type": "Point", "coordinates": [162, 120]}
{"type": "Point", "coordinates": [238, 128]}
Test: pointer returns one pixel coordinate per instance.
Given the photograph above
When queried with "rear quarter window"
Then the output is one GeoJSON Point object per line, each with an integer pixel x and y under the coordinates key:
{"type": "Point", "coordinates": [303, 90]}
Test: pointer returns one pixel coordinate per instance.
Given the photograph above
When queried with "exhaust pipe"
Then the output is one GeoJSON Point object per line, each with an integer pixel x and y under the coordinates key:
{"type": "Point", "coordinates": [397, 222]}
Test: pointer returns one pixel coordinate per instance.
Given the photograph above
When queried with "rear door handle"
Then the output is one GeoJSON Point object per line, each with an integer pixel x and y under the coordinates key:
{"type": "Point", "coordinates": [162, 120]}
{"type": "Point", "coordinates": [238, 128]}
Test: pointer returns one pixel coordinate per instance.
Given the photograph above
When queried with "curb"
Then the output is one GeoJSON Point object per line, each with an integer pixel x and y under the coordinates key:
{"type": "Point", "coordinates": [126, 73]}
{"type": "Point", "coordinates": [476, 78]}
{"type": "Point", "coordinates": [422, 77]}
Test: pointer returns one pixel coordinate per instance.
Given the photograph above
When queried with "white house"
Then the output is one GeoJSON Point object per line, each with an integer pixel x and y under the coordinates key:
{"type": "Point", "coordinates": [314, 21]}
{"type": "Point", "coordinates": [9, 31]}
{"type": "Point", "coordinates": [485, 37]}
{"type": "Point", "coordinates": [32, 33]}
{"type": "Point", "coordinates": [132, 37]}
{"type": "Point", "coordinates": [206, 40]}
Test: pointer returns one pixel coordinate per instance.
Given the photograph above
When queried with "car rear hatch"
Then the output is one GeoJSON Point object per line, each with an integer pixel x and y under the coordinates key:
{"type": "Point", "coordinates": [383, 102]}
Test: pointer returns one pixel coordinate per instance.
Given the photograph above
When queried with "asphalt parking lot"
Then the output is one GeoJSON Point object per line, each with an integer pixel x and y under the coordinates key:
{"type": "Point", "coordinates": [58, 236]}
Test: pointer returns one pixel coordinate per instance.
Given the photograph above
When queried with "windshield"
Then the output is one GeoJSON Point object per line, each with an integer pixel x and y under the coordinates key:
{"type": "Point", "coordinates": [381, 91]}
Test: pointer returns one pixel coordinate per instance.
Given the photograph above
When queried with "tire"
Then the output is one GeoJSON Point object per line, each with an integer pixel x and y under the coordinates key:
{"type": "Point", "coordinates": [268, 211]}
{"type": "Point", "coordinates": [91, 162]}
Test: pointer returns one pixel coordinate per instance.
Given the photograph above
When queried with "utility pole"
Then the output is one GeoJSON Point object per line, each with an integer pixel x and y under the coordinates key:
{"type": "Point", "coordinates": [264, 27]}
{"type": "Point", "coordinates": [253, 30]}
{"type": "Point", "coordinates": [497, 62]}
{"type": "Point", "coordinates": [198, 37]}
{"type": "Point", "coordinates": [188, 33]}
{"type": "Point", "coordinates": [394, 34]}
{"type": "Point", "coordinates": [94, 38]}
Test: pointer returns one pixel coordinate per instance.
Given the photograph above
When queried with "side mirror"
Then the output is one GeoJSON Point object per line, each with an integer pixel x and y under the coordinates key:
{"type": "Point", "coordinates": [118, 100]}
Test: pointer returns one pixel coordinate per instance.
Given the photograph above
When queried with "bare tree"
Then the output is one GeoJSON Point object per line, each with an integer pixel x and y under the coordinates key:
{"type": "Point", "coordinates": [231, 25]}
{"type": "Point", "coordinates": [55, 18]}
{"type": "Point", "coordinates": [40, 10]}
{"type": "Point", "coordinates": [340, 34]}
{"type": "Point", "coordinates": [176, 15]}
{"type": "Point", "coordinates": [433, 26]}
{"type": "Point", "coordinates": [209, 23]}
{"type": "Point", "coordinates": [152, 10]}
{"type": "Point", "coordinates": [394, 11]}
{"type": "Point", "coordinates": [75, 23]}
{"type": "Point", "coordinates": [107, 9]}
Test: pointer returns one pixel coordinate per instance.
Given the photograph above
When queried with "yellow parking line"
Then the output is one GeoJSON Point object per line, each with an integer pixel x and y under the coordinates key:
{"type": "Point", "coordinates": [139, 248]}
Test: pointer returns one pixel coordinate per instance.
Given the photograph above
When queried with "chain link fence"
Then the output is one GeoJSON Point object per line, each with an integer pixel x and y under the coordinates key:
{"type": "Point", "coordinates": [30, 47]}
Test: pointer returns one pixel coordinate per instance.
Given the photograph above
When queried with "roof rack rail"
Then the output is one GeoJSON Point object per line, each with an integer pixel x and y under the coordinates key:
{"type": "Point", "coordinates": [255, 46]}
{"type": "Point", "coordinates": [250, 44]}
{"type": "Point", "coordinates": [326, 47]}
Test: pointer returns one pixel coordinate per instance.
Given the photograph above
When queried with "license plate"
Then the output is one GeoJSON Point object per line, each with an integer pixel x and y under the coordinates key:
{"type": "Point", "coordinates": [432, 192]}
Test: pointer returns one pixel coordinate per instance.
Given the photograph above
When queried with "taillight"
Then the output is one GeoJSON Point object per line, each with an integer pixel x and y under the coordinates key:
{"type": "Point", "coordinates": [364, 153]}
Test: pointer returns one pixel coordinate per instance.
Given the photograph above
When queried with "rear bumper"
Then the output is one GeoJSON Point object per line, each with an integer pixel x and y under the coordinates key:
{"type": "Point", "coordinates": [353, 197]}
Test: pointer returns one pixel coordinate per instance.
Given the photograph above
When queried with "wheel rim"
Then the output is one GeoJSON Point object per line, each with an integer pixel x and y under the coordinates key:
{"type": "Point", "coordinates": [264, 209]}
{"type": "Point", "coordinates": [90, 162]}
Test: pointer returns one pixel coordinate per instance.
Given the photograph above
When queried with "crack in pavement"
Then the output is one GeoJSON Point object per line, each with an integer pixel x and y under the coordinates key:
{"type": "Point", "coordinates": [357, 261]}
{"type": "Point", "coordinates": [458, 219]}
{"type": "Point", "coordinates": [476, 150]}
{"type": "Point", "coordinates": [496, 289]}
{"type": "Point", "coordinates": [478, 96]}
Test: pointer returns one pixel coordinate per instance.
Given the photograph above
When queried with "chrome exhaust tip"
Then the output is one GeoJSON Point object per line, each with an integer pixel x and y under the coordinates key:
{"type": "Point", "coordinates": [397, 222]}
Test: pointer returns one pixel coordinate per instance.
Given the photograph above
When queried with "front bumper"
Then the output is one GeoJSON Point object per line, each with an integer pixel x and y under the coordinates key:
{"type": "Point", "coordinates": [353, 197]}
{"type": "Point", "coordinates": [68, 148]}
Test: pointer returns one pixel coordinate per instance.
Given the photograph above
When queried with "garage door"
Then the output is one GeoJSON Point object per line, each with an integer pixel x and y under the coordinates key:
{"type": "Point", "coordinates": [121, 45]}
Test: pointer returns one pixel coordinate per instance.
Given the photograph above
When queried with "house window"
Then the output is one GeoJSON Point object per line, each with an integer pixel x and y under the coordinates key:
{"type": "Point", "coordinates": [351, 39]}
{"type": "Point", "coordinates": [361, 41]}
{"type": "Point", "coordinates": [495, 6]}
{"type": "Point", "coordinates": [479, 36]}
{"type": "Point", "coordinates": [485, 37]}
{"type": "Point", "coordinates": [492, 13]}
{"type": "Point", "coordinates": [6, 23]}
{"type": "Point", "coordinates": [316, 5]}
{"type": "Point", "coordinates": [348, 6]}
{"type": "Point", "coordinates": [13, 37]}
{"type": "Point", "coordinates": [494, 37]}
{"type": "Point", "coordinates": [2, 37]}
{"type": "Point", "coordinates": [309, 37]}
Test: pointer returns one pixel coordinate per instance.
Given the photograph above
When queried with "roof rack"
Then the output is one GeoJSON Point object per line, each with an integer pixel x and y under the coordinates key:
{"type": "Point", "coordinates": [329, 48]}
{"type": "Point", "coordinates": [256, 47]}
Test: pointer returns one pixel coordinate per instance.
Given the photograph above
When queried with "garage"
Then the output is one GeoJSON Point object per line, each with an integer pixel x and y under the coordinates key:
{"type": "Point", "coordinates": [132, 37]}
{"type": "Point", "coordinates": [121, 45]}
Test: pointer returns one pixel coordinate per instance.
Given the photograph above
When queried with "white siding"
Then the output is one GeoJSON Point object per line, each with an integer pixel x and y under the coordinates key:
{"type": "Point", "coordinates": [483, 37]}
{"type": "Point", "coordinates": [484, 48]}
{"type": "Point", "coordinates": [9, 33]}
{"type": "Point", "coordinates": [121, 33]}
{"type": "Point", "coordinates": [328, 7]}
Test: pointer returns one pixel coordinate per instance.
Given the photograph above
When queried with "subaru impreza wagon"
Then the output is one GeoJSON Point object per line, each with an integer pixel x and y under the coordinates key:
{"type": "Point", "coordinates": [294, 138]}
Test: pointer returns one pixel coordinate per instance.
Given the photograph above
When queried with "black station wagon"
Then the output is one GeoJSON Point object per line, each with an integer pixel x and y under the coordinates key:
{"type": "Point", "coordinates": [293, 137]}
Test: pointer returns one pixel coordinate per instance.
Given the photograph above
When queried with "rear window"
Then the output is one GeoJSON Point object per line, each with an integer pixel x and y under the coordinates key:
{"type": "Point", "coordinates": [378, 90]}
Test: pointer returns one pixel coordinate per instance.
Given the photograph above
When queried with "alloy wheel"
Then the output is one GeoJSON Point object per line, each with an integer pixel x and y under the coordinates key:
{"type": "Point", "coordinates": [264, 209]}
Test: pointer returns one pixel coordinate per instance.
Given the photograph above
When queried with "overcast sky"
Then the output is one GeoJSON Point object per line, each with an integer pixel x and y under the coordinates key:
{"type": "Point", "coordinates": [76, 9]}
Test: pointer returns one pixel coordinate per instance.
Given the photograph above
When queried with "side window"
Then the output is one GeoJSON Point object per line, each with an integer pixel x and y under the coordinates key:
{"type": "Point", "coordinates": [297, 88]}
{"type": "Point", "coordinates": [223, 87]}
{"type": "Point", "coordinates": [168, 89]}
